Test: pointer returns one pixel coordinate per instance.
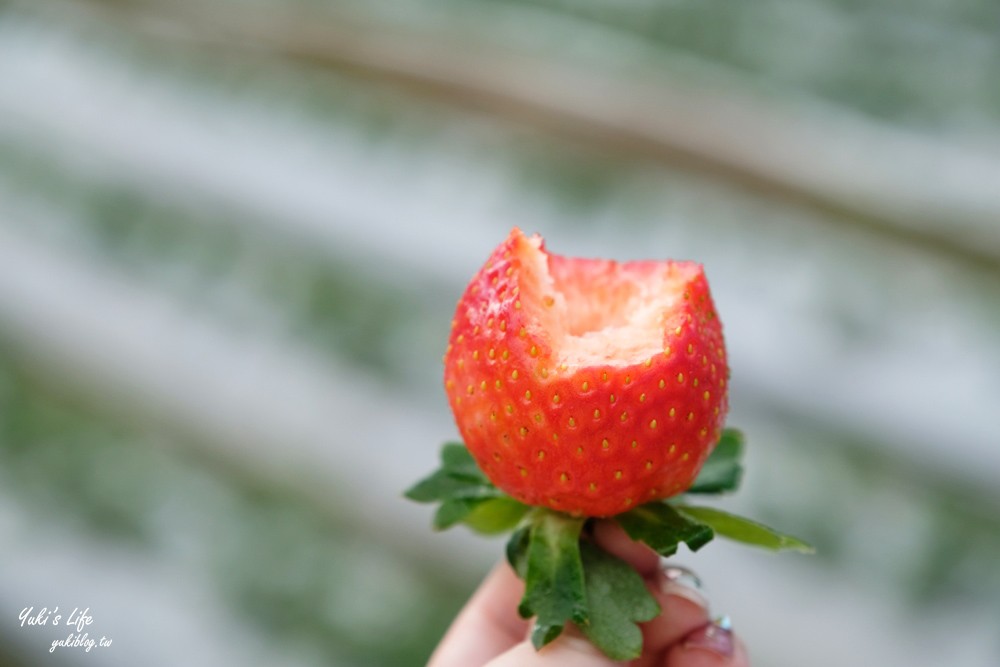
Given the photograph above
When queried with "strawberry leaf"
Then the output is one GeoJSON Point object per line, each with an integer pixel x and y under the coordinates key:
{"type": "Point", "coordinates": [722, 471]}
{"type": "Point", "coordinates": [454, 511]}
{"type": "Point", "coordinates": [617, 599]}
{"type": "Point", "coordinates": [744, 530]}
{"type": "Point", "coordinates": [456, 459]}
{"type": "Point", "coordinates": [443, 486]}
{"type": "Point", "coordinates": [663, 528]}
{"type": "Point", "coordinates": [553, 576]}
{"type": "Point", "coordinates": [517, 550]}
{"type": "Point", "coordinates": [466, 496]}
{"type": "Point", "coordinates": [458, 479]}
{"type": "Point", "coordinates": [495, 515]}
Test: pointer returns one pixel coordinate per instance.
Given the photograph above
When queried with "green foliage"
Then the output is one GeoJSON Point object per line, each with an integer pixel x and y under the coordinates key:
{"type": "Point", "coordinates": [553, 581]}
{"type": "Point", "coordinates": [517, 549]}
{"type": "Point", "coordinates": [617, 599]}
{"type": "Point", "coordinates": [458, 479]}
{"type": "Point", "coordinates": [723, 470]}
{"type": "Point", "coordinates": [663, 528]}
{"type": "Point", "coordinates": [466, 496]}
{"type": "Point", "coordinates": [567, 577]}
{"type": "Point", "coordinates": [495, 515]}
{"type": "Point", "coordinates": [743, 530]}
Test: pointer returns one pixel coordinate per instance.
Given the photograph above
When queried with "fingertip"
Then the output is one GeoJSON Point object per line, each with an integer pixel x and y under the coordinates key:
{"type": "Point", "coordinates": [713, 645]}
{"type": "Point", "coordinates": [568, 650]}
{"type": "Point", "coordinates": [613, 539]}
{"type": "Point", "coordinates": [682, 611]}
{"type": "Point", "coordinates": [741, 658]}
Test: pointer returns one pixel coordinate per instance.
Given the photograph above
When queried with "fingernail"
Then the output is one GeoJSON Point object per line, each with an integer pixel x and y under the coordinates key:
{"type": "Point", "coordinates": [716, 637]}
{"type": "Point", "coordinates": [682, 582]}
{"type": "Point", "coordinates": [680, 575]}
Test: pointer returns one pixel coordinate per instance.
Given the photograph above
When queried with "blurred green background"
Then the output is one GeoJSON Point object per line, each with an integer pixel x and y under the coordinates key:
{"type": "Point", "coordinates": [232, 234]}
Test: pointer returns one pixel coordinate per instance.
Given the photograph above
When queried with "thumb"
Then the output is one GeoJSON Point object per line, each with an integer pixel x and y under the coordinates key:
{"type": "Point", "coordinates": [569, 650]}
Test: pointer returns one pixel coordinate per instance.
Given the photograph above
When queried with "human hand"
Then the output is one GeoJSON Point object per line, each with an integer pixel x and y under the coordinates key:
{"type": "Point", "coordinates": [489, 633]}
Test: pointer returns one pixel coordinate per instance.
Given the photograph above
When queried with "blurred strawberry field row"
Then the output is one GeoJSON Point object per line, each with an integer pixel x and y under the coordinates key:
{"type": "Point", "coordinates": [226, 276]}
{"type": "Point", "coordinates": [274, 559]}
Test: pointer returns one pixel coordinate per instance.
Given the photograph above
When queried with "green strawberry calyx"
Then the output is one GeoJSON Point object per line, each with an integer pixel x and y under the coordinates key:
{"type": "Point", "coordinates": [568, 578]}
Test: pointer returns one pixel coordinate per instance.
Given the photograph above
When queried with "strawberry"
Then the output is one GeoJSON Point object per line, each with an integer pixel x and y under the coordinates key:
{"type": "Point", "coordinates": [587, 386]}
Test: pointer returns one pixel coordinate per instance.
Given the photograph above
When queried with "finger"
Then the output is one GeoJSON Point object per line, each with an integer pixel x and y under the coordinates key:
{"type": "Point", "coordinates": [569, 650]}
{"type": "Point", "coordinates": [487, 626]}
{"type": "Point", "coordinates": [712, 645]}
{"type": "Point", "coordinates": [650, 660]}
{"type": "Point", "coordinates": [683, 610]}
{"type": "Point", "coordinates": [613, 539]}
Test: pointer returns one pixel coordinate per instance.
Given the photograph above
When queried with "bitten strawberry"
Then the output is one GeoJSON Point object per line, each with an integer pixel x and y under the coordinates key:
{"type": "Point", "coordinates": [586, 386]}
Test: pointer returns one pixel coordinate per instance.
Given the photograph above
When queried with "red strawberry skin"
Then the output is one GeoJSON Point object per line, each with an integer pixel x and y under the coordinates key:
{"type": "Point", "coordinates": [597, 432]}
